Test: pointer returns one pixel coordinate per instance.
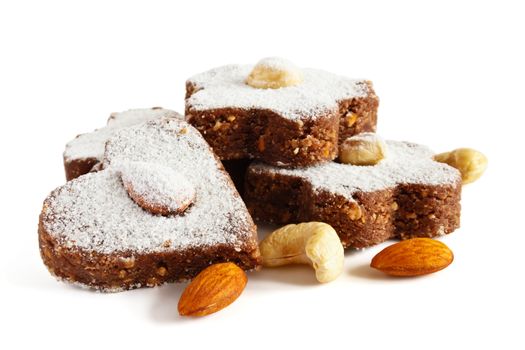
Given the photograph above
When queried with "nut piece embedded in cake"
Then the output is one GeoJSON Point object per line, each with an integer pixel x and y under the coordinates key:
{"type": "Point", "coordinates": [314, 243]}
{"type": "Point", "coordinates": [274, 73]}
{"type": "Point", "coordinates": [158, 189]}
{"type": "Point", "coordinates": [363, 149]}
{"type": "Point", "coordinates": [470, 163]}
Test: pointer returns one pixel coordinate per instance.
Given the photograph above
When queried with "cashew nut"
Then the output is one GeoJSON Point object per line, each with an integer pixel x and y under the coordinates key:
{"type": "Point", "coordinates": [313, 243]}
{"type": "Point", "coordinates": [470, 163]}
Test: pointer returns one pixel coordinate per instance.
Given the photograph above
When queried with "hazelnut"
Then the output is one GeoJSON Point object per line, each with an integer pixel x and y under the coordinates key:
{"type": "Point", "coordinates": [362, 149]}
{"type": "Point", "coordinates": [351, 118]}
{"type": "Point", "coordinates": [162, 271]}
{"type": "Point", "coordinates": [354, 213]}
{"type": "Point", "coordinates": [152, 281]}
{"type": "Point", "coordinates": [274, 73]}
{"type": "Point", "coordinates": [261, 146]}
{"type": "Point", "coordinates": [470, 163]}
{"type": "Point", "coordinates": [127, 263]}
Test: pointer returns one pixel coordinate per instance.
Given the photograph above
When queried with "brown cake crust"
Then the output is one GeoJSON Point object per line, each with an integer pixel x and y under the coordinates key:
{"type": "Point", "coordinates": [237, 170]}
{"type": "Point", "coordinates": [358, 115]}
{"type": "Point", "coordinates": [364, 218]}
{"type": "Point", "coordinates": [129, 270]}
{"type": "Point", "coordinates": [236, 133]}
{"type": "Point", "coordinates": [405, 212]}
{"type": "Point", "coordinates": [76, 167]}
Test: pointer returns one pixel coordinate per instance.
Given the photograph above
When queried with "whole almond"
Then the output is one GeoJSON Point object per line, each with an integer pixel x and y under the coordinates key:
{"type": "Point", "coordinates": [214, 288]}
{"type": "Point", "coordinates": [413, 257]}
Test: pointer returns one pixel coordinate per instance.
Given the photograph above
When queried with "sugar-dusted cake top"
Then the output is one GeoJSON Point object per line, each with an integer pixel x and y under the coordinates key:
{"type": "Point", "coordinates": [316, 95]}
{"type": "Point", "coordinates": [95, 213]}
{"type": "Point", "coordinates": [91, 145]}
{"type": "Point", "coordinates": [139, 115]}
{"type": "Point", "coordinates": [406, 163]}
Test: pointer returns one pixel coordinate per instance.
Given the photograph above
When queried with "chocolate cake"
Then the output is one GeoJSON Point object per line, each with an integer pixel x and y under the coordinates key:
{"type": "Point", "coordinates": [101, 229]}
{"type": "Point", "coordinates": [86, 150]}
{"type": "Point", "coordinates": [407, 194]}
{"type": "Point", "coordinates": [237, 170]}
{"type": "Point", "coordinates": [289, 126]}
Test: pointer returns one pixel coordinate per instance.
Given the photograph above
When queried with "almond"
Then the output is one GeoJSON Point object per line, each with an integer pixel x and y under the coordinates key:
{"type": "Point", "coordinates": [214, 288]}
{"type": "Point", "coordinates": [413, 257]}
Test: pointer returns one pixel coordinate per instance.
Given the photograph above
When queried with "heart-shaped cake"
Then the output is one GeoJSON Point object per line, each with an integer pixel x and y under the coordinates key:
{"type": "Point", "coordinates": [161, 210]}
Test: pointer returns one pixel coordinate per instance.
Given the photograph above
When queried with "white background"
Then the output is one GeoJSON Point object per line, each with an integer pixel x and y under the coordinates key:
{"type": "Point", "coordinates": [448, 75]}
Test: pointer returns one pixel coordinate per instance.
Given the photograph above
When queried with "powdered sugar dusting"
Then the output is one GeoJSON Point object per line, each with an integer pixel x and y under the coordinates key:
{"type": "Point", "coordinates": [366, 137]}
{"type": "Point", "coordinates": [158, 185]}
{"type": "Point", "coordinates": [94, 211]}
{"type": "Point", "coordinates": [277, 63]}
{"type": "Point", "coordinates": [139, 115]}
{"type": "Point", "coordinates": [407, 163]}
{"type": "Point", "coordinates": [91, 145]}
{"type": "Point", "coordinates": [317, 95]}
